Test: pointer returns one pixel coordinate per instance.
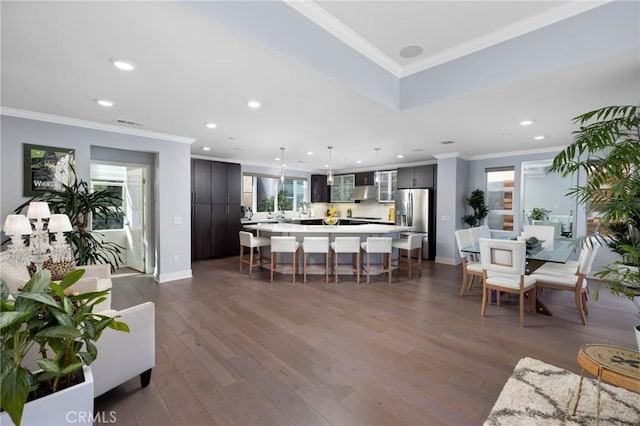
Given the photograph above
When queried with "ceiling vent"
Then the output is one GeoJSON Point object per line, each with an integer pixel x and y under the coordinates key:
{"type": "Point", "coordinates": [128, 122]}
{"type": "Point", "coordinates": [446, 142]}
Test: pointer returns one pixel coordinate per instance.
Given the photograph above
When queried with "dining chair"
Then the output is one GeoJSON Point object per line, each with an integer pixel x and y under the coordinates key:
{"type": "Point", "coordinates": [576, 282]}
{"type": "Point", "coordinates": [408, 246]}
{"type": "Point", "coordinates": [541, 232]}
{"type": "Point", "coordinates": [248, 240]}
{"type": "Point", "coordinates": [503, 270]}
{"type": "Point", "coordinates": [287, 245]}
{"type": "Point", "coordinates": [470, 268]}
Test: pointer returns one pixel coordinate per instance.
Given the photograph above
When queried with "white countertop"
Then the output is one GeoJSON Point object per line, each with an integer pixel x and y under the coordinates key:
{"type": "Point", "coordinates": [293, 229]}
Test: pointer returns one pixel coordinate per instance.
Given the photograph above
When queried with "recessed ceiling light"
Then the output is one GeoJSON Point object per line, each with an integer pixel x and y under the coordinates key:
{"type": "Point", "coordinates": [411, 52]}
{"type": "Point", "coordinates": [205, 148]}
{"type": "Point", "coordinates": [309, 152]}
{"type": "Point", "coordinates": [211, 125]}
{"type": "Point", "coordinates": [277, 158]}
{"type": "Point", "coordinates": [105, 102]}
{"type": "Point", "coordinates": [326, 166]}
{"type": "Point", "coordinates": [526, 122]}
{"type": "Point", "coordinates": [358, 161]}
{"type": "Point", "coordinates": [400, 156]}
{"type": "Point", "coordinates": [538, 137]}
{"type": "Point", "coordinates": [254, 104]}
{"type": "Point", "coordinates": [123, 64]}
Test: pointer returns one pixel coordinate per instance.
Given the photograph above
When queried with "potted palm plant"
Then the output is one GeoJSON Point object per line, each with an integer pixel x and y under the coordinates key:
{"type": "Point", "coordinates": [47, 323]}
{"type": "Point", "coordinates": [539, 213]}
{"type": "Point", "coordinates": [77, 201]}
{"type": "Point", "coordinates": [605, 148]}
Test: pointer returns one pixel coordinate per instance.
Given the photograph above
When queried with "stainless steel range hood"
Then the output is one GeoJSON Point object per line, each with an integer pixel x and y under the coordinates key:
{"type": "Point", "coordinates": [365, 192]}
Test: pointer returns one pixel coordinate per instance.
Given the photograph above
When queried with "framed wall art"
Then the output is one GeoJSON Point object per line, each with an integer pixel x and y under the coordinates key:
{"type": "Point", "coordinates": [46, 168]}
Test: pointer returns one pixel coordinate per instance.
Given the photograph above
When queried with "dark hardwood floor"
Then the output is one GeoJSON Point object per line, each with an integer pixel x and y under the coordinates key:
{"type": "Point", "coordinates": [237, 351]}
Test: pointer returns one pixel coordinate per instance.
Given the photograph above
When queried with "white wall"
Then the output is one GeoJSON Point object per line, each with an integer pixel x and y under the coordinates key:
{"type": "Point", "coordinates": [172, 182]}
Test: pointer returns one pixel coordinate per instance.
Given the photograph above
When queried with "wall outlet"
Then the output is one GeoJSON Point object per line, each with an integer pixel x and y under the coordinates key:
{"type": "Point", "coordinates": [176, 258]}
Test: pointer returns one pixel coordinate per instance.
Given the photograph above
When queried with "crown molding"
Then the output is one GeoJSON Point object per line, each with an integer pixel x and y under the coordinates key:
{"type": "Point", "coordinates": [68, 121]}
{"type": "Point", "coordinates": [332, 25]}
{"type": "Point", "coordinates": [545, 150]}
{"type": "Point", "coordinates": [446, 155]}
{"type": "Point", "coordinates": [535, 22]}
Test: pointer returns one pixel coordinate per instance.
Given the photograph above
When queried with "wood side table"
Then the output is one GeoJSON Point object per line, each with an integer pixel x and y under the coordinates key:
{"type": "Point", "coordinates": [613, 364]}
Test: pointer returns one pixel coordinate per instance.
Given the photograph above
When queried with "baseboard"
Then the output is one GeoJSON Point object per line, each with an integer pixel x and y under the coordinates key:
{"type": "Point", "coordinates": [173, 276]}
{"type": "Point", "coordinates": [447, 260]}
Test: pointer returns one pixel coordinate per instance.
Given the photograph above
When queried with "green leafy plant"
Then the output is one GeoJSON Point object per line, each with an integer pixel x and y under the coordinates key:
{"type": "Point", "coordinates": [606, 149]}
{"type": "Point", "coordinates": [538, 213]}
{"type": "Point", "coordinates": [79, 203]}
{"type": "Point", "coordinates": [480, 209]}
{"type": "Point", "coordinates": [60, 326]}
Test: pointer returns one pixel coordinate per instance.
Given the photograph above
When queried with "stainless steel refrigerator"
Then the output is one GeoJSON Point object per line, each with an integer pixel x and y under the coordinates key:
{"type": "Point", "coordinates": [415, 208]}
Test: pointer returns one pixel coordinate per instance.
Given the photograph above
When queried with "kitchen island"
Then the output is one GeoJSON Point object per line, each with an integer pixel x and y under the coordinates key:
{"type": "Point", "coordinates": [293, 229]}
{"type": "Point", "coordinates": [300, 231]}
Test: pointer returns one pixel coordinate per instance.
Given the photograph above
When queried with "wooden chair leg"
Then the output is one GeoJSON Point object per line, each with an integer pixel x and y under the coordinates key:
{"type": "Point", "coordinates": [464, 280]}
{"type": "Point", "coordinates": [521, 305]}
{"type": "Point", "coordinates": [388, 266]}
{"type": "Point", "coordinates": [578, 297]}
{"type": "Point", "coordinates": [294, 271]}
{"type": "Point", "coordinates": [241, 256]}
{"type": "Point", "coordinates": [484, 299]}
{"type": "Point", "coordinates": [585, 298]}
{"type": "Point", "coordinates": [335, 267]}
{"type": "Point", "coordinates": [273, 256]}
{"type": "Point", "coordinates": [304, 268]}
{"type": "Point", "coordinates": [358, 268]}
{"type": "Point", "coordinates": [250, 261]}
{"type": "Point", "coordinates": [326, 267]}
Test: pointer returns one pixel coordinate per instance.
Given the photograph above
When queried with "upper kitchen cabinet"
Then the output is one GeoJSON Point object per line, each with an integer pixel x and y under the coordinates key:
{"type": "Point", "coordinates": [342, 188]}
{"type": "Point", "coordinates": [319, 189]}
{"type": "Point", "coordinates": [366, 178]}
{"type": "Point", "coordinates": [417, 177]}
{"type": "Point", "coordinates": [387, 187]}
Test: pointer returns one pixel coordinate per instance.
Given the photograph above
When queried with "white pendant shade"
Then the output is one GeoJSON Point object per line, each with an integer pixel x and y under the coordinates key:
{"type": "Point", "coordinates": [38, 210]}
{"type": "Point", "coordinates": [59, 223]}
{"type": "Point", "coordinates": [17, 224]}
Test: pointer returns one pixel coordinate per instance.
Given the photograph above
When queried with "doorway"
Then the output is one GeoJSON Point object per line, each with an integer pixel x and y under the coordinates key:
{"type": "Point", "coordinates": [130, 182]}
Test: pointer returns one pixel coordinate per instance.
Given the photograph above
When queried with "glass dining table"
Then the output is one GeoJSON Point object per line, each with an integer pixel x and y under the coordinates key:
{"type": "Point", "coordinates": [556, 251]}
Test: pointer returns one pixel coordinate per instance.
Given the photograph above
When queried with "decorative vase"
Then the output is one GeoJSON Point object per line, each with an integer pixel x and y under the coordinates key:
{"type": "Point", "coordinates": [331, 220]}
{"type": "Point", "coordinates": [70, 406]}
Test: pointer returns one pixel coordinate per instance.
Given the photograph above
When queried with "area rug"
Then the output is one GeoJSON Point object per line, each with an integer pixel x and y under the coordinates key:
{"type": "Point", "coordinates": [541, 394]}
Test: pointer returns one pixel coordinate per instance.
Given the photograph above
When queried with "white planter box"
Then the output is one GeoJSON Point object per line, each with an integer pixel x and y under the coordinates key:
{"type": "Point", "coordinates": [71, 406]}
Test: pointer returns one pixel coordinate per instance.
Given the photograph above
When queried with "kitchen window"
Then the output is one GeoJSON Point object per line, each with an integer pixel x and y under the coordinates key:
{"type": "Point", "coordinates": [264, 193]}
{"type": "Point", "coordinates": [500, 184]}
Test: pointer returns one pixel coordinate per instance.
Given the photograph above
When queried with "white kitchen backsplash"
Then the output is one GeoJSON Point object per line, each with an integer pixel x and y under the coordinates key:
{"type": "Point", "coordinates": [369, 209]}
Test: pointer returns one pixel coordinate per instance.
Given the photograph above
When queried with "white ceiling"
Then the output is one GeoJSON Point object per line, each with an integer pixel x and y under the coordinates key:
{"type": "Point", "coordinates": [195, 67]}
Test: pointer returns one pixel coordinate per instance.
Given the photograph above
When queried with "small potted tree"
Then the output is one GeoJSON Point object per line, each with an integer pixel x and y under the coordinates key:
{"type": "Point", "coordinates": [48, 324]}
{"type": "Point", "coordinates": [480, 209]}
{"type": "Point", "coordinates": [539, 213]}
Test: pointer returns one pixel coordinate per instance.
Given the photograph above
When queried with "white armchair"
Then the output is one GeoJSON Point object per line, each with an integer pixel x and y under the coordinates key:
{"type": "Point", "coordinates": [123, 356]}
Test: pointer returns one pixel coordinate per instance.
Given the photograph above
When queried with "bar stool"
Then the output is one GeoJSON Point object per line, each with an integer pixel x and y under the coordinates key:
{"type": "Point", "coordinates": [378, 245]}
{"type": "Point", "coordinates": [346, 245]}
{"type": "Point", "coordinates": [316, 245]}
{"type": "Point", "coordinates": [247, 239]}
{"type": "Point", "coordinates": [284, 245]}
{"type": "Point", "coordinates": [408, 246]}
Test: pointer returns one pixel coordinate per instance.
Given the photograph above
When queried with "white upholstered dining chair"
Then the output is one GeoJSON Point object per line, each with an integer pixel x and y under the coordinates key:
{"type": "Point", "coordinates": [470, 268]}
{"type": "Point", "coordinates": [576, 282]}
{"type": "Point", "coordinates": [503, 270]}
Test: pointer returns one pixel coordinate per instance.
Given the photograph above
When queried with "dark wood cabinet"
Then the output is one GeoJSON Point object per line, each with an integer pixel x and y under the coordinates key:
{"type": "Point", "coordinates": [366, 178]}
{"type": "Point", "coordinates": [319, 189]}
{"type": "Point", "coordinates": [216, 193]}
{"type": "Point", "coordinates": [417, 177]}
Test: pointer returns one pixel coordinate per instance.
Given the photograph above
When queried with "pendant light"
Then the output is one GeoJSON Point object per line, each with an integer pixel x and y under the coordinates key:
{"type": "Point", "coordinates": [282, 174]}
{"type": "Point", "coordinates": [376, 177]}
{"type": "Point", "coordinates": [330, 174]}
